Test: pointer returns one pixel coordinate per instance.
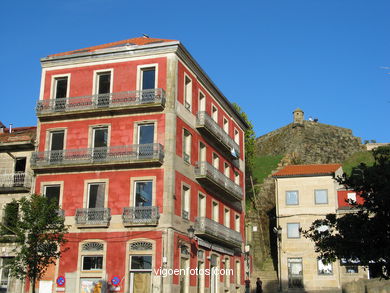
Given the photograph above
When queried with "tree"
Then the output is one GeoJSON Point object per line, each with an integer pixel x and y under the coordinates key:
{"type": "Point", "coordinates": [39, 234]}
{"type": "Point", "coordinates": [362, 235]}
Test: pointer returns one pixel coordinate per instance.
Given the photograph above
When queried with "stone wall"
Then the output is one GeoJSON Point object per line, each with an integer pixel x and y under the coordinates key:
{"type": "Point", "coordinates": [367, 286]}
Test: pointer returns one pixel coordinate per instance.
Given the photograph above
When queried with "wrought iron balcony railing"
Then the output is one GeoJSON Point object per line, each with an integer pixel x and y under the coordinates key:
{"type": "Point", "coordinates": [216, 231]}
{"type": "Point", "coordinates": [206, 170]}
{"type": "Point", "coordinates": [139, 216]}
{"type": "Point", "coordinates": [96, 217]}
{"type": "Point", "coordinates": [131, 153]}
{"type": "Point", "coordinates": [101, 101]}
{"type": "Point", "coordinates": [203, 120]}
{"type": "Point", "coordinates": [15, 180]}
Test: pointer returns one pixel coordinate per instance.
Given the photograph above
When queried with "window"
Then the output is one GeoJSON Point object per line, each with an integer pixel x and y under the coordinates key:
{"type": "Point", "coordinates": [225, 125]}
{"type": "Point", "coordinates": [186, 202]}
{"type": "Point", "coordinates": [52, 193]}
{"type": "Point", "coordinates": [292, 197]}
{"type": "Point", "coordinates": [227, 218]}
{"type": "Point", "coordinates": [321, 196]}
{"type": "Point", "coordinates": [351, 196]}
{"type": "Point", "coordinates": [4, 274]}
{"type": "Point", "coordinates": [202, 152]}
{"type": "Point", "coordinates": [60, 87]}
{"type": "Point", "coordinates": [201, 267]}
{"type": "Point", "coordinates": [324, 269]}
{"type": "Point", "coordinates": [227, 275]}
{"type": "Point", "coordinates": [92, 263]}
{"type": "Point", "coordinates": [140, 273]}
{"type": "Point", "coordinates": [215, 211]}
{"type": "Point", "coordinates": [187, 93]}
{"type": "Point", "coordinates": [187, 146]}
{"type": "Point", "coordinates": [20, 169]}
{"type": "Point", "coordinates": [227, 170]}
{"type": "Point", "coordinates": [100, 143]}
{"type": "Point", "coordinates": [143, 196]}
{"type": "Point", "coordinates": [237, 222]}
{"type": "Point", "coordinates": [202, 206]}
{"type": "Point", "coordinates": [202, 102]}
{"type": "Point", "coordinates": [238, 273]}
{"type": "Point", "coordinates": [148, 78]}
{"type": "Point", "coordinates": [96, 193]}
{"type": "Point", "coordinates": [145, 140]}
{"type": "Point", "coordinates": [103, 88]}
{"type": "Point", "coordinates": [215, 161]}
{"type": "Point", "coordinates": [236, 177]}
{"type": "Point", "coordinates": [214, 113]}
{"type": "Point", "coordinates": [351, 269]}
{"type": "Point", "coordinates": [293, 230]}
{"type": "Point", "coordinates": [56, 145]}
{"type": "Point", "coordinates": [322, 228]}
{"type": "Point", "coordinates": [236, 136]}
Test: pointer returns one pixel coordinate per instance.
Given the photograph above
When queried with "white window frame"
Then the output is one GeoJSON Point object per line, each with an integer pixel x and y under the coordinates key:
{"type": "Point", "coordinates": [226, 170]}
{"type": "Point", "coordinates": [214, 114]}
{"type": "Point", "coordinates": [215, 211]}
{"type": "Point", "coordinates": [54, 79]}
{"type": "Point", "coordinates": [201, 205]}
{"type": "Point", "coordinates": [297, 197]}
{"type": "Point", "coordinates": [322, 273]}
{"type": "Point", "coordinates": [187, 142]}
{"type": "Point", "coordinates": [237, 222]}
{"type": "Point", "coordinates": [202, 152]}
{"type": "Point", "coordinates": [315, 197]}
{"type": "Point", "coordinates": [96, 73]}
{"type": "Point", "coordinates": [215, 161]}
{"type": "Point", "coordinates": [202, 102]}
{"type": "Point", "coordinates": [186, 201]}
{"type": "Point", "coordinates": [236, 136]}
{"type": "Point", "coordinates": [226, 217]}
{"type": "Point", "coordinates": [226, 125]}
{"type": "Point", "coordinates": [142, 67]}
{"type": "Point", "coordinates": [289, 230]}
{"type": "Point", "coordinates": [351, 196]}
{"type": "Point", "coordinates": [187, 92]}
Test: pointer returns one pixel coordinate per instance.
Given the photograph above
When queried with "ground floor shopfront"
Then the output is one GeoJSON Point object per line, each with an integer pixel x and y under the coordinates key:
{"type": "Point", "coordinates": [142, 262]}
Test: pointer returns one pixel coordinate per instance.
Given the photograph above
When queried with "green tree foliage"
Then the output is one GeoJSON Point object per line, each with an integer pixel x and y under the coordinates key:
{"type": "Point", "coordinates": [362, 235]}
{"type": "Point", "coordinates": [250, 141]}
{"type": "Point", "coordinates": [39, 234]}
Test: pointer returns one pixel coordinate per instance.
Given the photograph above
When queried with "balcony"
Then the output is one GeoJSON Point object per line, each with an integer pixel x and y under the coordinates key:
{"type": "Point", "coordinates": [137, 154]}
{"type": "Point", "coordinates": [15, 182]}
{"type": "Point", "coordinates": [130, 101]}
{"type": "Point", "coordinates": [140, 216]}
{"type": "Point", "coordinates": [217, 181]}
{"type": "Point", "coordinates": [93, 217]}
{"type": "Point", "coordinates": [211, 128]}
{"type": "Point", "coordinates": [216, 232]}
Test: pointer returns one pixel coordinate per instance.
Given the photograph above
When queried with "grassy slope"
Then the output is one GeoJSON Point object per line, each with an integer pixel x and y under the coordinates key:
{"type": "Point", "coordinates": [357, 158]}
{"type": "Point", "coordinates": [264, 165]}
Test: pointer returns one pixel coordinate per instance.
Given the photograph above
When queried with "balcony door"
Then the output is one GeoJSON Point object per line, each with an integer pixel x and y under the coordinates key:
{"type": "Point", "coordinates": [145, 140]}
{"type": "Point", "coordinates": [213, 274]}
{"type": "Point", "coordinates": [100, 143]}
{"type": "Point", "coordinates": [96, 193]}
{"type": "Point", "coordinates": [60, 93]}
{"type": "Point", "coordinates": [140, 274]}
{"type": "Point", "coordinates": [295, 273]}
{"type": "Point", "coordinates": [56, 146]}
{"type": "Point", "coordinates": [20, 169]}
{"type": "Point", "coordinates": [103, 80]}
{"type": "Point", "coordinates": [52, 193]}
{"type": "Point", "coordinates": [148, 84]}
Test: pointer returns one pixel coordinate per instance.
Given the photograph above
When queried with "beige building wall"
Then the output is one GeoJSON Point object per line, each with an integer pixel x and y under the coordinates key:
{"type": "Point", "coordinates": [304, 213]}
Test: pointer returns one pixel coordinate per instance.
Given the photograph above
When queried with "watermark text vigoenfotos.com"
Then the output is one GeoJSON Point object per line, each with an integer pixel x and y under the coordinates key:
{"type": "Point", "coordinates": [164, 272]}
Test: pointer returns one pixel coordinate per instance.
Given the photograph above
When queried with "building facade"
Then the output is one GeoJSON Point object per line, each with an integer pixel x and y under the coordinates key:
{"type": "Point", "coordinates": [305, 193]}
{"type": "Point", "coordinates": [16, 147]}
{"type": "Point", "coordinates": [145, 156]}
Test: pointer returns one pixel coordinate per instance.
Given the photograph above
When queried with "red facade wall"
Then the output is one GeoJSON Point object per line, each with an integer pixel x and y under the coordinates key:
{"type": "Point", "coordinates": [342, 196]}
{"type": "Point", "coordinates": [124, 77]}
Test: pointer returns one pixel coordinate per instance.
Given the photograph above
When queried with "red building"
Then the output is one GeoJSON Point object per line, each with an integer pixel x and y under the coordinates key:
{"type": "Point", "coordinates": [145, 156]}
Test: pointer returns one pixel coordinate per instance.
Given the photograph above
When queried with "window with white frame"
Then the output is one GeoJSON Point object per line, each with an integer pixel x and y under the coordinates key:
{"type": "Point", "coordinates": [238, 273]}
{"type": "Point", "coordinates": [202, 205]}
{"type": "Point", "coordinates": [324, 268]}
{"type": "Point", "coordinates": [186, 202]}
{"type": "Point", "coordinates": [225, 125]}
{"type": "Point", "coordinates": [227, 170]}
{"type": "Point", "coordinates": [293, 230]}
{"type": "Point", "coordinates": [103, 82]}
{"type": "Point", "coordinates": [60, 87]}
{"type": "Point", "coordinates": [236, 136]}
{"type": "Point", "coordinates": [214, 113]}
{"type": "Point", "coordinates": [215, 211]}
{"type": "Point", "coordinates": [292, 197]}
{"type": "Point", "coordinates": [92, 256]}
{"type": "Point", "coordinates": [92, 262]}
{"type": "Point", "coordinates": [187, 93]}
{"type": "Point", "coordinates": [202, 102]}
{"type": "Point", "coordinates": [96, 193]}
{"type": "Point", "coordinates": [4, 274]}
{"type": "Point", "coordinates": [321, 196]}
{"type": "Point", "coordinates": [148, 78]}
{"type": "Point", "coordinates": [236, 177]}
{"type": "Point", "coordinates": [143, 193]}
{"type": "Point", "coordinates": [215, 161]}
{"type": "Point", "coordinates": [201, 267]}
{"type": "Point", "coordinates": [237, 222]}
{"type": "Point", "coordinates": [227, 217]}
{"type": "Point", "coordinates": [52, 192]}
{"type": "Point", "coordinates": [202, 152]}
{"type": "Point", "coordinates": [187, 138]}
{"type": "Point", "coordinates": [351, 196]}
{"type": "Point", "coordinates": [227, 275]}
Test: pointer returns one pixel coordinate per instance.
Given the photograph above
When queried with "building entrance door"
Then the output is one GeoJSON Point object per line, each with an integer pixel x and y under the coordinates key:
{"type": "Point", "coordinates": [295, 272]}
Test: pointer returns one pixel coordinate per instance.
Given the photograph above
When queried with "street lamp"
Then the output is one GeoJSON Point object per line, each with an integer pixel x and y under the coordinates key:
{"type": "Point", "coordinates": [191, 232]}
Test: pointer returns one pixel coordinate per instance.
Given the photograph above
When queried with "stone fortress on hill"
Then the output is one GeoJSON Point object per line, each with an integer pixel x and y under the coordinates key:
{"type": "Point", "coordinates": [309, 141]}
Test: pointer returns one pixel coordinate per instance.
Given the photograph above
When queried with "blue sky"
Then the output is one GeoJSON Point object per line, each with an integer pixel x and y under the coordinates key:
{"type": "Point", "coordinates": [328, 57]}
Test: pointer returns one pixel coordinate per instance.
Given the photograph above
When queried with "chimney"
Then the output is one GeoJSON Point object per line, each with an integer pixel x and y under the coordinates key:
{"type": "Point", "coordinates": [2, 127]}
{"type": "Point", "coordinates": [10, 128]}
